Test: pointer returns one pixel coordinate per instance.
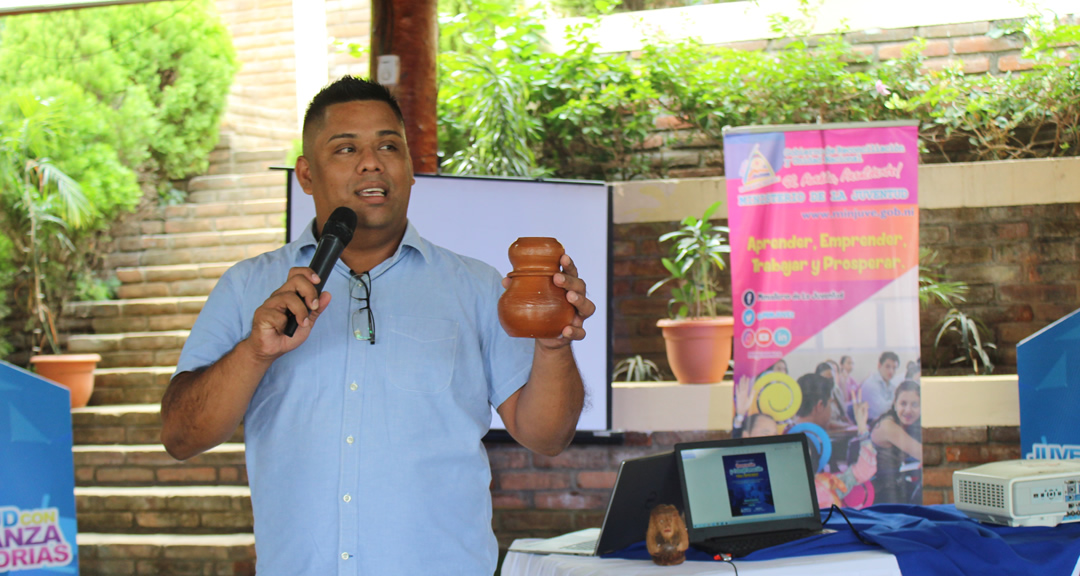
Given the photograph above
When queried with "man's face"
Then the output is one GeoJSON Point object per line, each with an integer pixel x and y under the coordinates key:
{"type": "Point", "coordinates": [888, 369]}
{"type": "Point", "coordinates": [358, 158]}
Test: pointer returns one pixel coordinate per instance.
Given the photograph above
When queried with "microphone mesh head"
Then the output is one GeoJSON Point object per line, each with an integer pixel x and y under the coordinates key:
{"type": "Point", "coordinates": [341, 224]}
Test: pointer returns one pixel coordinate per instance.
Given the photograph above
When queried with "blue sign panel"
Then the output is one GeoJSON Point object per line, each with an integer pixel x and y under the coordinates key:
{"type": "Point", "coordinates": [1048, 365]}
{"type": "Point", "coordinates": [37, 476]}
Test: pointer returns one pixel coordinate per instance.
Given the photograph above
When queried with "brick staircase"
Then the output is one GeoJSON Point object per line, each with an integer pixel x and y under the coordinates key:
{"type": "Point", "coordinates": [139, 510]}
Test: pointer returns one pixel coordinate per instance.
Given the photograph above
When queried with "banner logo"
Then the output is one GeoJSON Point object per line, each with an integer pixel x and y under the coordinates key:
{"type": "Point", "coordinates": [757, 172]}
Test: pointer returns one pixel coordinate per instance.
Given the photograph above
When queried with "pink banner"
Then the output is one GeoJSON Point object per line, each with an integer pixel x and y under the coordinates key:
{"type": "Point", "coordinates": [824, 261]}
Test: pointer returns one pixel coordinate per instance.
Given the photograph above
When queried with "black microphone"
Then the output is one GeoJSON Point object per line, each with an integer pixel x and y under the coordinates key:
{"type": "Point", "coordinates": [336, 235]}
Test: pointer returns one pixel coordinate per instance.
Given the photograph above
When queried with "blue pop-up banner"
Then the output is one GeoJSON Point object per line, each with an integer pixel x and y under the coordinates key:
{"type": "Point", "coordinates": [37, 476]}
{"type": "Point", "coordinates": [1048, 368]}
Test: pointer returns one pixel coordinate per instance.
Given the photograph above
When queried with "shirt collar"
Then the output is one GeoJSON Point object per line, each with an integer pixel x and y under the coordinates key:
{"type": "Point", "coordinates": [411, 240]}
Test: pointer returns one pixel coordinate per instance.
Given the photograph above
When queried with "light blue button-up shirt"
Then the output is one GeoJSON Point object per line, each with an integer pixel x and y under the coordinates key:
{"type": "Point", "coordinates": [367, 459]}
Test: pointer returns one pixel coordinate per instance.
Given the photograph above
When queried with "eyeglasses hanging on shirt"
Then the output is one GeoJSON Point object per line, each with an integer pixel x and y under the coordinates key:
{"type": "Point", "coordinates": [363, 321]}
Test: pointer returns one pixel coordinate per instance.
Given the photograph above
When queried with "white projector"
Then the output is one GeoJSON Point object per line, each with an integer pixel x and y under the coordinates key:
{"type": "Point", "coordinates": [1020, 492]}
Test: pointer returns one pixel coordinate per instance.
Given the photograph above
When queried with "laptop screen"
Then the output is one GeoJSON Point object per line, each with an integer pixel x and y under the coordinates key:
{"type": "Point", "coordinates": [747, 486]}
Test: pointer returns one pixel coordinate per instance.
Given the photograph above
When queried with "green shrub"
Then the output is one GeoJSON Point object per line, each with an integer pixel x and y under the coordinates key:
{"type": "Point", "coordinates": [587, 115]}
{"type": "Point", "coordinates": [159, 71]}
{"type": "Point", "coordinates": [135, 94]}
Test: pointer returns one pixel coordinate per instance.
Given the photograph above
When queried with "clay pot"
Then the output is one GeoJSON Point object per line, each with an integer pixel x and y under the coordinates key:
{"type": "Point", "coordinates": [72, 371]}
{"type": "Point", "coordinates": [698, 349]}
{"type": "Point", "coordinates": [533, 306]}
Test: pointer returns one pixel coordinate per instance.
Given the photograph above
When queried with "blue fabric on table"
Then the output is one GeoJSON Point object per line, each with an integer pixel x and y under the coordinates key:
{"type": "Point", "coordinates": [929, 540]}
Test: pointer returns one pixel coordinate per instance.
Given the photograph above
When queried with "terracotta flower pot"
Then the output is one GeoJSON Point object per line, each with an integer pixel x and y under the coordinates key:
{"type": "Point", "coordinates": [698, 349]}
{"type": "Point", "coordinates": [72, 371]}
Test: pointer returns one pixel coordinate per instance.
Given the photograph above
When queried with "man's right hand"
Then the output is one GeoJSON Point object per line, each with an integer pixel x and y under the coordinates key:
{"type": "Point", "coordinates": [297, 295]}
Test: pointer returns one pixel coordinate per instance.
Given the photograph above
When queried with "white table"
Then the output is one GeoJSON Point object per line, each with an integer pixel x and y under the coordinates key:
{"type": "Point", "coordinates": [862, 563]}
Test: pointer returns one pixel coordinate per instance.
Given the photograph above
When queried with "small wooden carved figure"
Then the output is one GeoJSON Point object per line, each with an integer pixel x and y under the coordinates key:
{"type": "Point", "coordinates": [667, 539]}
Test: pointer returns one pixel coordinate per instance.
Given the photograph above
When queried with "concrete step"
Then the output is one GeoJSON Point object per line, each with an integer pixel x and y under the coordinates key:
{"type": "Point", "coordinates": [202, 255]}
{"type": "Point", "coordinates": [224, 161]}
{"type": "Point", "coordinates": [122, 424]}
{"type": "Point", "coordinates": [270, 184]}
{"type": "Point", "coordinates": [172, 274]}
{"type": "Point", "coordinates": [212, 239]}
{"type": "Point", "coordinates": [224, 216]}
{"type": "Point", "coordinates": [138, 385]}
{"type": "Point", "coordinates": [233, 215]}
{"type": "Point", "coordinates": [141, 314]}
{"type": "Point", "coordinates": [234, 181]}
{"type": "Point", "coordinates": [116, 349]}
{"type": "Point", "coordinates": [149, 464]}
{"type": "Point", "coordinates": [166, 554]}
{"type": "Point", "coordinates": [154, 509]}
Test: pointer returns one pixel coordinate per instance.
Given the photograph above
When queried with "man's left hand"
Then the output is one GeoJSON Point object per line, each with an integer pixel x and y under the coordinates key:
{"type": "Point", "coordinates": [575, 295]}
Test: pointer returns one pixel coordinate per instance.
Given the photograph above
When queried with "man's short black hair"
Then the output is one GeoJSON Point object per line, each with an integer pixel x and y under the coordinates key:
{"type": "Point", "coordinates": [888, 356]}
{"type": "Point", "coordinates": [348, 89]}
{"type": "Point", "coordinates": [814, 389]}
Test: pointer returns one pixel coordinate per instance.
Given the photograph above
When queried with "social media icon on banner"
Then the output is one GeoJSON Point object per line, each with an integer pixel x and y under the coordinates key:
{"type": "Point", "coordinates": [749, 298]}
{"type": "Point", "coordinates": [748, 339]}
{"type": "Point", "coordinates": [748, 317]}
{"type": "Point", "coordinates": [764, 337]}
{"type": "Point", "coordinates": [782, 337]}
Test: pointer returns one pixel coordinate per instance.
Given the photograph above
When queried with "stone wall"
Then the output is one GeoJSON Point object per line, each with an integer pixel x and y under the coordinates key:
{"type": "Point", "coordinates": [1021, 262]}
{"type": "Point", "coordinates": [539, 496]}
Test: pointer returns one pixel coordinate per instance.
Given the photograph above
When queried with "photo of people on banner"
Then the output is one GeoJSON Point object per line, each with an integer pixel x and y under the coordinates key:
{"type": "Point", "coordinates": [824, 260]}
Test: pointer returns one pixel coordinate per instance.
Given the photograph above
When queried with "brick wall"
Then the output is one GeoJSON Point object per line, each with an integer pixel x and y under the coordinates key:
{"type": "Point", "coordinates": [537, 496]}
{"type": "Point", "coordinates": [1021, 262]}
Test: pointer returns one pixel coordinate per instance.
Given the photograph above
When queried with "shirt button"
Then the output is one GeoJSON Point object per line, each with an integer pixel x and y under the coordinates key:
{"type": "Point", "coordinates": [344, 555]}
{"type": "Point", "coordinates": [347, 498]}
{"type": "Point", "coordinates": [353, 386]}
{"type": "Point", "coordinates": [350, 439]}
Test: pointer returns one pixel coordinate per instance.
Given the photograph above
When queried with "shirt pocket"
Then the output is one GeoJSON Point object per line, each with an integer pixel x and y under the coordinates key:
{"type": "Point", "coordinates": [421, 353]}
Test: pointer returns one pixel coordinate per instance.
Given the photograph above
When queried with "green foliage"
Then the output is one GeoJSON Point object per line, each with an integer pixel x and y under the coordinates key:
{"type": "Point", "coordinates": [636, 369]}
{"type": "Point", "coordinates": [969, 340]}
{"type": "Point", "coordinates": [486, 127]}
{"type": "Point", "coordinates": [986, 117]}
{"type": "Point", "coordinates": [695, 264]}
{"type": "Point", "coordinates": [933, 286]}
{"type": "Point", "coordinates": [507, 106]}
{"type": "Point", "coordinates": [158, 74]}
{"type": "Point", "coordinates": [98, 105]}
{"type": "Point", "coordinates": [39, 203]}
{"type": "Point", "coordinates": [597, 111]}
{"type": "Point", "coordinates": [958, 333]}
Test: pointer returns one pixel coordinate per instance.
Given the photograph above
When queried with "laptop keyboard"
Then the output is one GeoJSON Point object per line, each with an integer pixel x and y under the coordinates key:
{"type": "Point", "coordinates": [586, 546]}
{"type": "Point", "coordinates": [738, 546]}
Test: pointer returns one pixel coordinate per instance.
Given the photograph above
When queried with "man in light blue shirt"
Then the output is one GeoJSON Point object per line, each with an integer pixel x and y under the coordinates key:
{"type": "Point", "coordinates": [877, 389]}
{"type": "Point", "coordinates": [364, 429]}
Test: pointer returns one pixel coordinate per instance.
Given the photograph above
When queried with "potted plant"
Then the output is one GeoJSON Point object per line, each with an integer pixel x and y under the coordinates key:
{"type": "Point", "coordinates": [697, 338]}
{"type": "Point", "coordinates": [636, 369]}
{"type": "Point", "coordinates": [38, 204]}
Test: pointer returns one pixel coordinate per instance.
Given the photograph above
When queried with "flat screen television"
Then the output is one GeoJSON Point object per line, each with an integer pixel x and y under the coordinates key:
{"type": "Point", "coordinates": [480, 217]}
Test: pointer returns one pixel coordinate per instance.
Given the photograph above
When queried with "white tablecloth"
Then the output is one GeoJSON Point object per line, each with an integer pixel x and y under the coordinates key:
{"type": "Point", "coordinates": [863, 563]}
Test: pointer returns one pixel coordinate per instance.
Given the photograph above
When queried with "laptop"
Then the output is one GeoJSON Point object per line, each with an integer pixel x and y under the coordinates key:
{"type": "Point", "coordinates": [746, 494]}
{"type": "Point", "coordinates": [642, 483]}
